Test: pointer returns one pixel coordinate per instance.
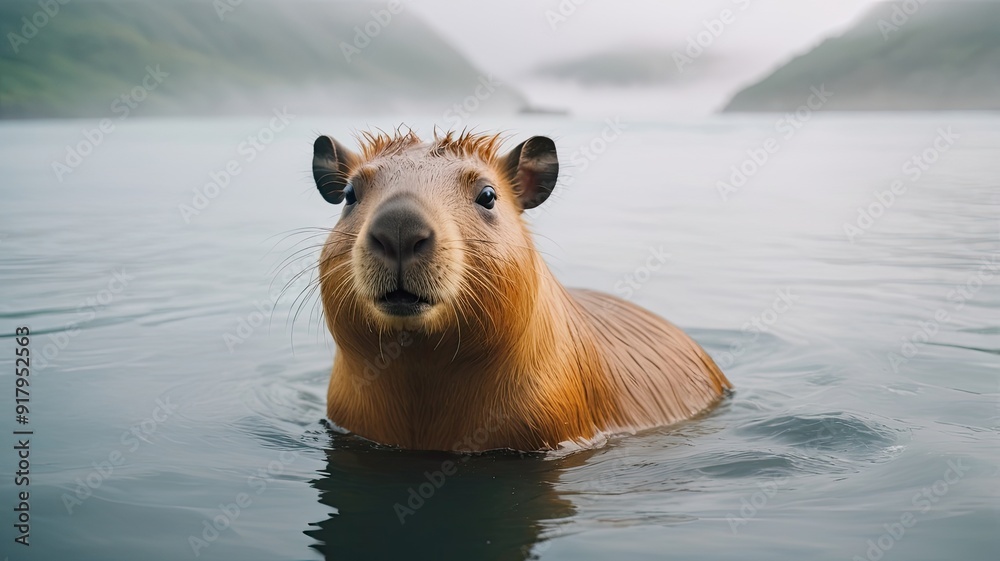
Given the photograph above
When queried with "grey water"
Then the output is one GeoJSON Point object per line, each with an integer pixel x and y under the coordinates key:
{"type": "Point", "coordinates": [848, 286]}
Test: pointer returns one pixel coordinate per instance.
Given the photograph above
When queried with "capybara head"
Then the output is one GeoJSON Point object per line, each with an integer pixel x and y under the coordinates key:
{"type": "Point", "coordinates": [431, 238]}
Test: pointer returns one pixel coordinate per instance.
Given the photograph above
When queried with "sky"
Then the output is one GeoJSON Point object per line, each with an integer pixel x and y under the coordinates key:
{"type": "Point", "coordinates": [510, 38]}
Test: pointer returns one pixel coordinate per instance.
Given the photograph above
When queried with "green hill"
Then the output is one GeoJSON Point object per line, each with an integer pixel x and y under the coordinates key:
{"type": "Point", "coordinates": [246, 58]}
{"type": "Point", "coordinates": [943, 56]}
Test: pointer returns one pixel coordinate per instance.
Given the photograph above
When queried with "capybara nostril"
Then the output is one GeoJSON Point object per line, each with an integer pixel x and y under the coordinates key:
{"type": "Point", "coordinates": [400, 235]}
{"type": "Point", "coordinates": [377, 246]}
{"type": "Point", "coordinates": [424, 244]}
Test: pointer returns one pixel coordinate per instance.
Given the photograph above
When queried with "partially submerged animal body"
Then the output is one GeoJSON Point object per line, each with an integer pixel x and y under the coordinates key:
{"type": "Point", "coordinates": [452, 333]}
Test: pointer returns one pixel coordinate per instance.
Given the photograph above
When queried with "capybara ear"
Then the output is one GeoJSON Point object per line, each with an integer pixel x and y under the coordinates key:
{"type": "Point", "coordinates": [532, 168]}
{"type": "Point", "coordinates": [331, 164]}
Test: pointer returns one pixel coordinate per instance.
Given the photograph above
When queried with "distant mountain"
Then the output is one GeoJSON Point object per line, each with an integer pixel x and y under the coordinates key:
{"type": "Point", "coordinates": [942, 56]}
{"type": "Point", "coordinates": [625, 67]}
{"type": "Point", "coordinates": [226, 57]}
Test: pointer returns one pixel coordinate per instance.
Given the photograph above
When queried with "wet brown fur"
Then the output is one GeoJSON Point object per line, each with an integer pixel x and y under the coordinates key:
{"type": "Point", "coordinates": [507, 358]}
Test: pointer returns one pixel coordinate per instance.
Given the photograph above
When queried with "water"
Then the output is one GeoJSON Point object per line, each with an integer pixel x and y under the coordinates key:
{"type": "Point", "coordinates": [162, 400]}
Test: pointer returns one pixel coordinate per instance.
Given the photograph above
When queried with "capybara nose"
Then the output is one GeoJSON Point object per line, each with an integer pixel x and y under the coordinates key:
{"type": "Point", "coordinates": [400, 235]}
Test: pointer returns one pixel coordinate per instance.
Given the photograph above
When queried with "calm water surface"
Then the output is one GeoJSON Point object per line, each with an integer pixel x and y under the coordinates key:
{"type": "Point", "coordinates": [172, 389]}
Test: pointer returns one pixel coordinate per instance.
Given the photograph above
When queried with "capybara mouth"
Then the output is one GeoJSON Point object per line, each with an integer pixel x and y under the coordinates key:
{"type": "Point", "coordinates": [403, 303]}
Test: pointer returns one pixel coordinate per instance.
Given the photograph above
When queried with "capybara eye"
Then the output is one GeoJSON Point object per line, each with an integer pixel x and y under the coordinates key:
{"type": "Point", "coordinates": [487, 197]}
{"type": "Point", "coordinates": [349, 195]}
